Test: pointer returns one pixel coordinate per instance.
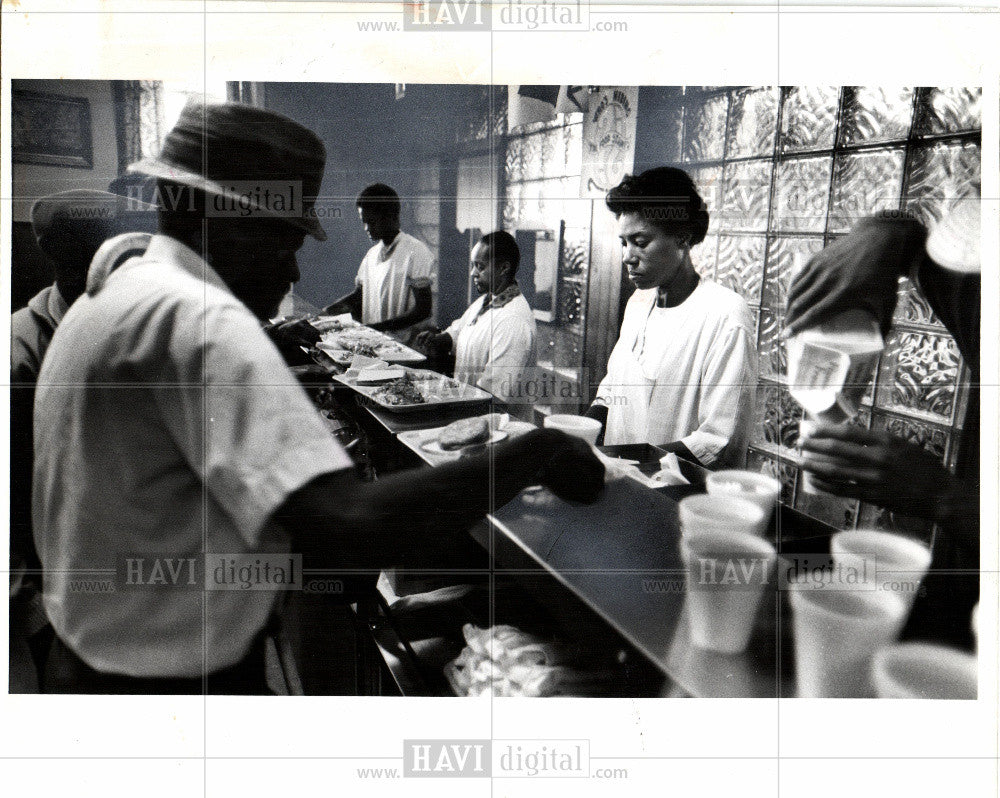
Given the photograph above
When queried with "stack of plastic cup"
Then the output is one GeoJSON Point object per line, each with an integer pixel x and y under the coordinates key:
{"type": "Point", "coordinates": [887, 562]}
{"type": "Point", "coordinates": [921, 670]}
{"type": "Point", "coordinates": [704, 513]}
{"type": "Point", "coordinates": [762, 490]}
{"type": "Point", "coordinates": [727, 573]}
{"type": "Point", "coordinates": [837, 631]}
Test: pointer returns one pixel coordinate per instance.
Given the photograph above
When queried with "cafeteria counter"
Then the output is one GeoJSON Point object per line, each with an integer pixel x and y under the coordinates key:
{"type": "Point", "coordinates": [607, 576]}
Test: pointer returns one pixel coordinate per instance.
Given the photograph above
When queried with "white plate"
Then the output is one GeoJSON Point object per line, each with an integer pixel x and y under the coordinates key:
{"type": "Point", "coordinates": [433, 447]}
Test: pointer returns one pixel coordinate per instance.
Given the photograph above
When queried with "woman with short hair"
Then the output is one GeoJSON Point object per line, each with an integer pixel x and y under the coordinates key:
{"type": "Point", "coordinates": [683, 373]}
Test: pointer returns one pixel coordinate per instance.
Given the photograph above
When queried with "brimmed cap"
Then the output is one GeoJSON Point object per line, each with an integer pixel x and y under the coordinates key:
{"type": "Point", "coordinates": [226, 149]}
{"type": "Point", "coordinates": [80, 218]}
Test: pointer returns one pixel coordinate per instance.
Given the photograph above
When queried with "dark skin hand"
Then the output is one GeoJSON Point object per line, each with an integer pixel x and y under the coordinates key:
{"type": "Point", "coordinates": [339, 522]}
{"type": "Point", "coordinates": [859, 270]}
{"type": "Point", "coordinates": [423, 303]}
{"type": "Point", "coordinates": [433, 343]}
{"type": "Point", "coordinates": [599, 412]}
{"type": "Point", "coordinates": [296, 332]}
{"type": "Point", "coordinates": [877, 467]}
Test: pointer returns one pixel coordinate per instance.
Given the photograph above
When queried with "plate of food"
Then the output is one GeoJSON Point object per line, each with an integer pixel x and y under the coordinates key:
{"type": "Point", "coordinates": [416, 390]}
{"type": "Point", "coordinates": [463, 434]}
{"type": "Point", "coordinates": [371, 343]}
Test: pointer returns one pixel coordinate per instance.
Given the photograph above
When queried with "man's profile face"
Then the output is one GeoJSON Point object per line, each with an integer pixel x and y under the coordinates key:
{"type": "Point", "coordinates": [256, 259]}
{"type": "Point", "coordinates": [378, 226]}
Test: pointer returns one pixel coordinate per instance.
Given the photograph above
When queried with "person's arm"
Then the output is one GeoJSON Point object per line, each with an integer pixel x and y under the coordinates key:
{"type": "Point", "coordinates": [434, 343]}
{"type": "Point", "coordinates": [878, 467]}
{"type": "Point", "coordinates": [725, 405]}
{"type": "Point", "coordinates": [351, 303]}
{"type": "Point", "coordinates": [339, 522]}
{"type": "Point", "coordinates": [422, 305]}
{"type": "Point", "coordinates": [859, 270]}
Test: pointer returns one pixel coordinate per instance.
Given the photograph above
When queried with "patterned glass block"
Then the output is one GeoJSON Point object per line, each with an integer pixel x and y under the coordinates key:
{"type": "Point", "coordinates": [871, 516]}
{"type": "Point", "coordinates": [498, 111]}
{"type": "Point", "coordinates": [753, 122]}
{"type": "Point", "coordinates": [552, 152]}
{"type": "Point", "coordinates": [948, 110]}
{"type": "Point", "coordinates": [745, 195]}
{"type": "Point", "coordinates": [777, 419]}
{"type": "Point", "coordinates": [864, 184]}
{"type": "Point", "coordinates": [912, 307]}
{"type": "Point", "coordinates": [809, 118]}
{"type": "Point", "coordinates": [513, 207]}
{"type": "Point", "coordinates": [939, 175]}
{"type": "Point", "coordinates": [783, 472]}
{"type": "Point", "coordinates": [928, 436]}
{"type": "Point", "coordinates": [801, 193]}
{"type": "Point", "coordinates": [672, 128]}
{"type": "Point", "coordinates": [741, 265]}
{"type": "Point", "coordinates": [567, 349]}
{"type": "Point", "coordinates": [575, 251]}
{"type": "Point", "coordinates": [572, 144]}
{"type": "Point", "coordinates": [836, 511]}
{"type": "Point", "coordinates": [570, 302]}
{"type": "Point", "coordinates": [772, 355]}
{"type": "Point", "coordinates": [546, 342]}
{"type": "Point", "coordinates": [705, 129]}
{"type": "Point", "coordinates": [514, 161]}
{"type": "Point", "coordinates": [918, 375]}
{"type": "Point", "coordinates": [708, 181]}
{"type": "Point", "coordinates": [705, 255]}
{"type": "Point", "coordinates": [872, 114]}
{"type": "Point", "coordinates": [531, 149]}
{"type": "Point", "coordinates": [781, 263]}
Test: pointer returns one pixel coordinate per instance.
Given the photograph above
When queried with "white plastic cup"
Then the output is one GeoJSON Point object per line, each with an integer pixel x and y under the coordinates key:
{"type": "Point", "coordinates": [578, 426]}
{"type": "Point", "coordinates": [921, 670]}
{"type": "Point", "coordinates": [886, 561]}
{"type": "Point", "coordinates": [727, 572]}
{"type": "Point", "coordinates": [707, 513]}
{"type": "Point", "coordinates": [762, 490]}
{"type": "Point", "coordinates": [836, 635]}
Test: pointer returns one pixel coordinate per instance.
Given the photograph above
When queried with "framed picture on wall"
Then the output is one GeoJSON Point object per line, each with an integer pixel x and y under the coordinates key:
{"type": "Point", "coordinates": [51, 129]}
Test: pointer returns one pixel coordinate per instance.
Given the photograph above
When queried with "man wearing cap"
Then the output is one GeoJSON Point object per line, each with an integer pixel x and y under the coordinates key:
{"type": "Point", "coordinates": [393, 289]}
{"type": "Point", "coordinates": [862, 270]}
{"type": "Point", "coordinates": [173, 444]}
{"type": "Point", "coordinates": [69, 227]}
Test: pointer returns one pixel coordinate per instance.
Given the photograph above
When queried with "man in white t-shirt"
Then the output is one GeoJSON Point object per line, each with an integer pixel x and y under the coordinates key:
{"type": "Point", "coordinates": [177, 459]}
{"type": "Point", "coordinates": [395, 282]}
{"type": "Point", "coordinates": [494, 340]}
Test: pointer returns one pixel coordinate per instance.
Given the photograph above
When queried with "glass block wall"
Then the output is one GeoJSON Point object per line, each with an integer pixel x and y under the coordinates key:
{"type": "Point", "coordinates": [788, 170]}
{"type": "Point", "coordinates": [541, 182]}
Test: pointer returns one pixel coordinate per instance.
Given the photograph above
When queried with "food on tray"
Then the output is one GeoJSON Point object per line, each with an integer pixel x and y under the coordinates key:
{"type": "Point", "coordinates": [374, 374]}
{"type": "Point", "coordinates": [400, 392]}
{"type": "Point", "coordinates": [361, 348]}
{"type": "Point", "coordinates": [464, 432]}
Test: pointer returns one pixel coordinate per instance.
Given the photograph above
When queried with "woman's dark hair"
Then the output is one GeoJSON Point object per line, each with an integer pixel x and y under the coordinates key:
{"type": "Point", "coordinates": [503, 248]}
{"type": "Point", "coordinates": [666, 197]}
{"type": "Point", "coordinates": [380, 199]}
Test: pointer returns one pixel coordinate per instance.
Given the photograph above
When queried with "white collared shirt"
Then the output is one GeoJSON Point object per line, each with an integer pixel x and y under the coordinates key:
{"type": "Point", "coordinates": [166, 423]}
{"type": "Point", "coordinates": [387, 273]}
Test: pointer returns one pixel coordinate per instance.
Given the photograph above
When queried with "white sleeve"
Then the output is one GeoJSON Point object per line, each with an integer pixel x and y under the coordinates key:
{"type": "Point", "coordinates": [362, 277]}
{"type": "Point", "coordinates": [512, 349]}
{"type": "Point", "coordinates": [728, 387]}
{"type": "Point", "coordinates": [241, 420]}
{"type": "Point", "coordinates": [420, 270]}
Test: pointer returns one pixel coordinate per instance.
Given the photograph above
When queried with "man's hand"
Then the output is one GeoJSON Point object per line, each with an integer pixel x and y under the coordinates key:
{"type": "Point", "coordinates": [877, 467]}
{"type": "Point", "coordinates": [297, 332]}
{"type": "Point", "coordinates": [570, 468]}
{"type": "Point", "coordinates": [432, 342]}
{"type": "Point", "coordinates": [860, 270]}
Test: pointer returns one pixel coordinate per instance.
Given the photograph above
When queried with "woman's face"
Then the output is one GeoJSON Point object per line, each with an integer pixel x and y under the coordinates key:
{"type": "Point", "coordinates": [653, 258]}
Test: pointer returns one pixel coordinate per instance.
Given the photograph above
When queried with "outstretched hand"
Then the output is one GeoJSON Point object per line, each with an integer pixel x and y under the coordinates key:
{"type": "Point", "coordinates": [859, 270]}
{"type": "Point", "coordinates": [572, 471]}
{"type": "Point", "coordinates": [877, 467]}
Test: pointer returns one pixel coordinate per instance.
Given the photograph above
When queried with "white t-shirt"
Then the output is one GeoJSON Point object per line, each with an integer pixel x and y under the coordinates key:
{"type": "Point", "coordinates": [166, 423]}
{"type": "Point", "coordinates": [687, 373]}
{"type": "Point", "coordinates": [387, 273]}
{"type": "Point", "coordinates": [492, 351]}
